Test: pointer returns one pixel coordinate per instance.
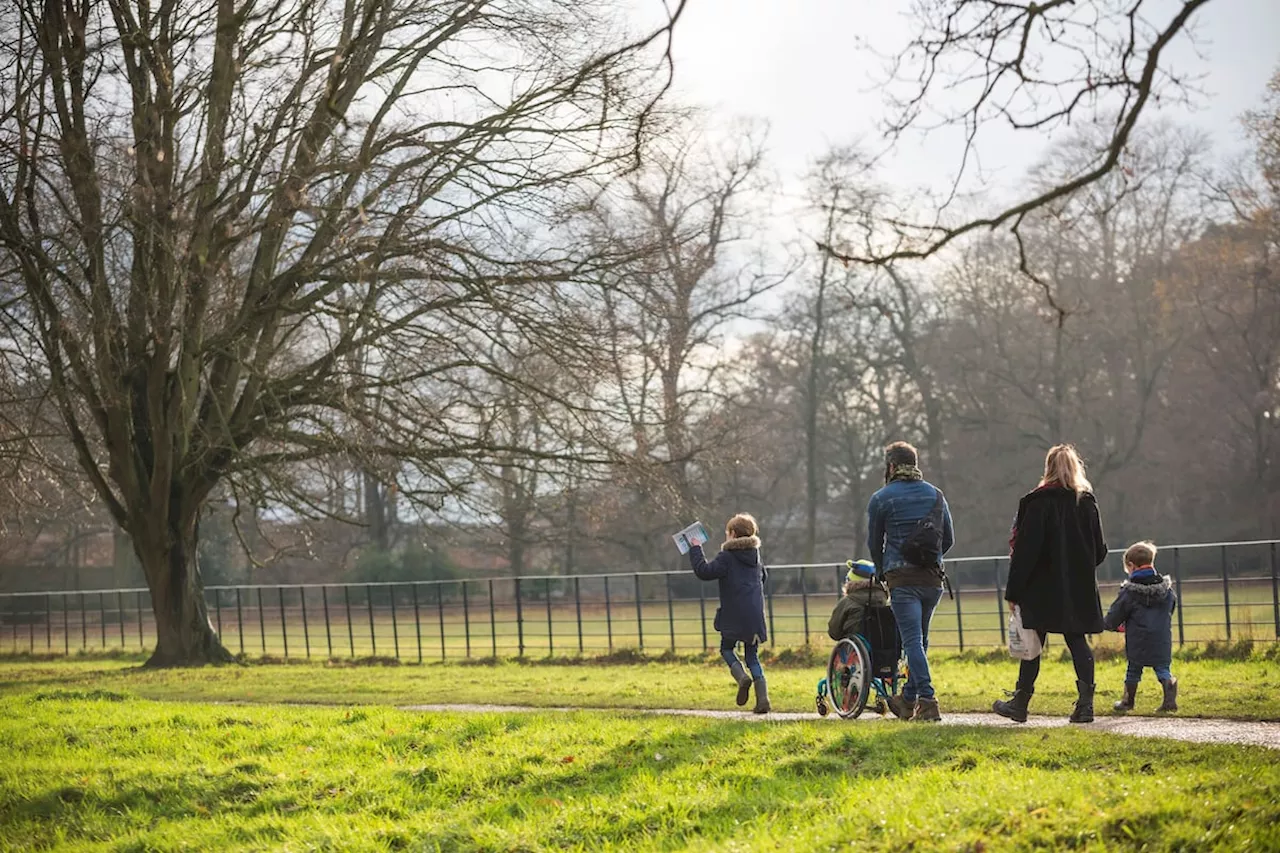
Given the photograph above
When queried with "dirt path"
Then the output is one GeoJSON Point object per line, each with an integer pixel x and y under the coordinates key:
{"type": "Point", "coordinates": [1176, 728]}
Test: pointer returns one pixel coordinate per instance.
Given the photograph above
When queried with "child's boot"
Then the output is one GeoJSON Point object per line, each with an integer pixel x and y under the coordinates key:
{"type": "Point", "coordinates": [762, 697]}
{"type": "Point", "coordinates": [1016, 707]}
{"type": "Point", "coordinates": [1125, 705]}
{"type": "Point", "coordinates": [1083, 711]}
{"type": "Point", "coordinates": [1170, 703]}
{"type": "Point", "coordinates": [740, 675]}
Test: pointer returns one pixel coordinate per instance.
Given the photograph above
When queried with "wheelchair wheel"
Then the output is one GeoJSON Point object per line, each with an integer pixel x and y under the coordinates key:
{"type": "Point", "coordinates": [849, 678]}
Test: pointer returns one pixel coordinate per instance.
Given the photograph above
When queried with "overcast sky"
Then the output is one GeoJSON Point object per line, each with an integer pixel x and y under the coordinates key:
{"type": "Point", "coordinates": [796, 63]}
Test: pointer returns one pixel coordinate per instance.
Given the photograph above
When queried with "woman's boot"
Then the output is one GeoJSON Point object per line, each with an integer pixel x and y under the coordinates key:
{"type": "Point", "coordinates": [1170, 703]}
{"type": "Point", "coordinates": [1015, 708]}
{"type": "Point", "coordinates": [740, 675]}
{"type": "Point", "coordinates": [1083, 711]}
{"type": "Point", "coordinates": [762, 697]}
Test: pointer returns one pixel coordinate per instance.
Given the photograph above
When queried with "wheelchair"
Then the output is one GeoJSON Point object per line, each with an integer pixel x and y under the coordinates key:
{"type": "Point", "coordinates": [869, 664]}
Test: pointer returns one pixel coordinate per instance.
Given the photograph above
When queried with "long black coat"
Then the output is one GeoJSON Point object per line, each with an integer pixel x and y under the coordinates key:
{"type": "Point", "coordinates": [1057, 547]}
{"type": "Point", "coordinates": [741, 578]}
{"type": "Point", "coordinates": [1145, 608]}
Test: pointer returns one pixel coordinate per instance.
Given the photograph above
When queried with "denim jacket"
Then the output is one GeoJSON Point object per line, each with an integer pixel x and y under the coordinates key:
{"type": "Point", "coordinates": [892, 514]}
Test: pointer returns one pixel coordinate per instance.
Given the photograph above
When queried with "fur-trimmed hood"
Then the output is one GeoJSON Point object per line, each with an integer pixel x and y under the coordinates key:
{"type": "Point", "coordinates": [1151, 592]}
{"type": "Point", "coordinates": [741, 543]}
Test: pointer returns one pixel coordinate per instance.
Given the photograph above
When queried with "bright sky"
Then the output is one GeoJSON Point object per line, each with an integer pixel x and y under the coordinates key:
{"type": "Point", "coordinates": [797, 64]}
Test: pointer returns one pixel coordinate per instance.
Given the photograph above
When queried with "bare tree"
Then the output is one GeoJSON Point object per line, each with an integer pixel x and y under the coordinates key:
{"type": "Point", "coordinates": [211, 205]}
{"type": "Point", "coordinates": [1031, 67]}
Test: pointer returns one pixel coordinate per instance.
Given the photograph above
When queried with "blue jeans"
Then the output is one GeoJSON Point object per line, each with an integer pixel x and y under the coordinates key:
{"type": "Point", "coordinates": [913, 608]}
{"type": "Point", "coordinates": [1134, 674]}
{"type": "Point", "coordinates": [749, 653]}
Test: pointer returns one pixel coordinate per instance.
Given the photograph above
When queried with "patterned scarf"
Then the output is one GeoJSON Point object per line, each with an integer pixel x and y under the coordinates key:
{"type": "Point", "coordinates": [904, 472]}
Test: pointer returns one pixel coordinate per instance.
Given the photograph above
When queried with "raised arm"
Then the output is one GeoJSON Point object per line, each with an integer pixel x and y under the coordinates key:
{"type": "Point", "coordinates": [711, 571]}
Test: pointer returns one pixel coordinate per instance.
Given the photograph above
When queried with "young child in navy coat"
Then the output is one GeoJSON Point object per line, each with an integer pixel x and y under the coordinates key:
{"type": "Point", "coordinates": [740, 618]}
{"type": "Point", "coordinates": [1144, 611]}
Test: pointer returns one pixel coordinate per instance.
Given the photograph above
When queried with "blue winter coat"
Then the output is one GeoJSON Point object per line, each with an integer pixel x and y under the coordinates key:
{"type": "Point", "coordinates": [741, 576]}
{"type": "Point", "coordinates": [1145, 607]}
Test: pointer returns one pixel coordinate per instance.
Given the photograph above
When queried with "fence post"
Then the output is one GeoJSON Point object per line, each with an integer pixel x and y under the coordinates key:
{"type": "Point", "coordinates": [328, 632]}
{"type": "Point", "coordinates": [84, 624]}
{"type": "Point", "coordinates": [519, 621]}
{"type": "Point", "coordinates": [395, 626]}
{"type": "Point", "coordinates": [702, 613]}
{"type": "Point", "coordinates": [466, 618]}
{"type": "Point", "coordinates": [102, 621]}
{"type": "Point", "coordinates": [671, 615]}
{"type": "Point", "coordinates": [306, 629]}
{"type": "Point", "coordinates": [493, 624]}
{"type": "Point", "coordinates": [217, 607]}
{"type": "Point", "coordinates": [351, 631]}
{"type": "Point", "coordinates": [959, 619]}
{"type": "Point", "coordinates": [639, 615]}
{"type": "Point", "coordinates": [284, 623]}
{"type": "Point", "coordinates": [773, 632]}
{"type": "Point", "coordinates": [1177, 582]}
{"type": "Point", "coordinates": [440, 616]}
{"type": "Point", "coordinates": [551, 646]}
{"type": "Point", "coordinates": [1275, 591]}
{"type": "Point", "coordinates": [31, 625]}
{"type": "Point", "coordinates": [373, 632]}
{"type": "Point", "coordinates": [66, 625]}
{"type": "Point", "coordinates": [804, 602]}
{"type": "Point", "coordinates": [417, 620]}
{"type": "Point", "coordinates": [239, 619]}
{"type": "Point", "coordinates": [995, 572]}
{"type": "Point", "coordinates": [262, 623]}
{"type": "Point", "coordinates": [1226, 592]}
{"type": "Point", "coordinates": [577, 604]}
{"type": "Point", "coordinates": [48, 617]}
{"type": "Point", "coordinates": [608, 613]}
{"type": "Point", "coordinates": [120, 610]}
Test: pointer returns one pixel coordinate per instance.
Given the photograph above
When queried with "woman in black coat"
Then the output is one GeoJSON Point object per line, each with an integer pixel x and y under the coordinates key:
{"type": "Point", "coordinates": [1054, 551]}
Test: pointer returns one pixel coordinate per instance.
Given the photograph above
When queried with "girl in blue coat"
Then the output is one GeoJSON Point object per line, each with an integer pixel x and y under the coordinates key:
{"type": "Point", "coordinates": [740, 618]}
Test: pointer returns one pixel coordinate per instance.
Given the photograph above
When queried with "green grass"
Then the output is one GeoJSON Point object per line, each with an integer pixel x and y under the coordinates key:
{"type": "Point", "coordinates": [1235, 682]}
{"type": "Point", "coordinates": [92, 768]}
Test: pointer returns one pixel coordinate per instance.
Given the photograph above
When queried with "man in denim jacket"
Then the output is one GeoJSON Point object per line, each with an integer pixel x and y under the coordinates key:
{"type": "Point", "coordinates": [892, 515]}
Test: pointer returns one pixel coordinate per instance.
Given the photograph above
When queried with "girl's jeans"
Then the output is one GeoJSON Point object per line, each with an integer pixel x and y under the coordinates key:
{"type": "Point", "coordinates": [749, 653]}
{"type": "Point", "coordinates": [1134, 673]}
{"type": "Point", "coordinates": [913, 608]}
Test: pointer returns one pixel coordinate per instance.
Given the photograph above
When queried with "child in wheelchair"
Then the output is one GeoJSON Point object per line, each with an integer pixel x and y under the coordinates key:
{"type": "Point", "coordinates": [862, 617]}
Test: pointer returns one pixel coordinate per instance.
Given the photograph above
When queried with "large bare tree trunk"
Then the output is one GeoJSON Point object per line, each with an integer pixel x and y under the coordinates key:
{"type": "Point", "coordinates": [184, 636]}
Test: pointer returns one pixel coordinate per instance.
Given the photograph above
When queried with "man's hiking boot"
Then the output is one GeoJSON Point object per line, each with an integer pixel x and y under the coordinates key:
{"type": "Point", "coordinates": [739, 673]}
{"type": "Point", "coordinates": [901, 706]}
{"type": "Point", "coordinates": [1170, 703]}
{"type": "Point", "coordinates": [1125, 705]}
{"type": "Point", "coordinates": [1083, 711]}
{"type": "Point", "coordinates": [762, 697]}
{"type": "Point", "coordinates": [926, 711]}
{"type": "Point", "coordinates": [1014, 708]}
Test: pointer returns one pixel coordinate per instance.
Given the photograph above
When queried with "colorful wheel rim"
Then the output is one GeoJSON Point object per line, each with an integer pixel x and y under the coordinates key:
{"type": "Point", "coordinates": [848, 678]}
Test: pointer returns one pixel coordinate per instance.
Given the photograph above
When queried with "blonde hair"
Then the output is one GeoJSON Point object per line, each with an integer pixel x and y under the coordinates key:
{"type": "Point", "coordinates": [1141, 554]}
{"type": "Point", "coordinates": [742, 525]}
{"type": "Point", "coordinates": [1062, 465]}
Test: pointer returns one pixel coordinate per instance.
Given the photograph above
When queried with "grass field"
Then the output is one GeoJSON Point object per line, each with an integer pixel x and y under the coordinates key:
{"type": "Point", "coordinates": [1234, 682]}
{"type": "Point", "coordinates": [273, 621]}
{"type": "Point", "coordinates": [90, 768]}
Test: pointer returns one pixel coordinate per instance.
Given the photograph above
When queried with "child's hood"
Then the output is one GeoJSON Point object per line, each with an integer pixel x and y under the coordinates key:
{"type": "Point", "coordinates": [1151, 592]}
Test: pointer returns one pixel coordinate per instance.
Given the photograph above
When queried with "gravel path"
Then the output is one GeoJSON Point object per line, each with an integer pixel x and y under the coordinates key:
{"type": "Point", "coordinates": [1177, 728]}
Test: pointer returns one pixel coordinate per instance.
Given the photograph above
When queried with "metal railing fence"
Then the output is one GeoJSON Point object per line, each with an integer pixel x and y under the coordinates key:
{"type": "Point", "coordinates": [1226, 590]}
